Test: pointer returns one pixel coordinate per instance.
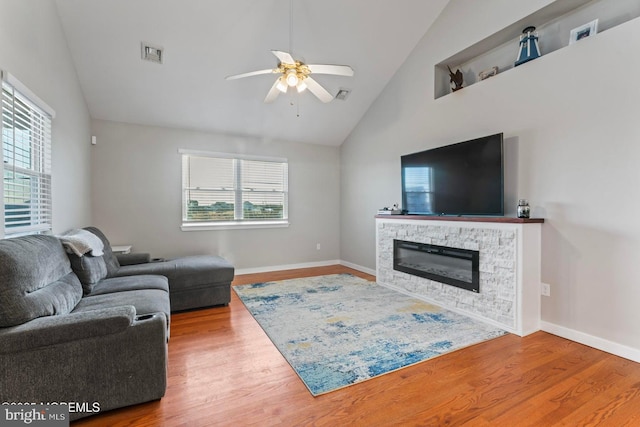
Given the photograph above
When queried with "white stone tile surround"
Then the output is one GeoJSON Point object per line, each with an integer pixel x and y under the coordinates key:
{"type": "Point", "coordinates": [509, 267]}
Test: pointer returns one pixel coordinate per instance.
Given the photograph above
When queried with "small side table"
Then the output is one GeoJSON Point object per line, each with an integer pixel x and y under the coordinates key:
{"type": "Point", "coordinates": [121, 249]}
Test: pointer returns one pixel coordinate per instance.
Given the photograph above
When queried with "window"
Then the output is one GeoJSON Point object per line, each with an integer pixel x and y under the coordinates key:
{"type": "Point", "coordinates": [233, 191]}
{"type": "Point", "coordinates": [26, 155]}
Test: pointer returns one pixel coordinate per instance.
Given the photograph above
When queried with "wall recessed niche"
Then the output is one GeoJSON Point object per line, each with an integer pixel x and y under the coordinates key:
{"type": "Point", "coordinates": [553, 23]}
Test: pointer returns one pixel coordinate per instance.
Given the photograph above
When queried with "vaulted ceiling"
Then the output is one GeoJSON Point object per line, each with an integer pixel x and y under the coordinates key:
{"type": "Point", "coordinates": [206, 40]}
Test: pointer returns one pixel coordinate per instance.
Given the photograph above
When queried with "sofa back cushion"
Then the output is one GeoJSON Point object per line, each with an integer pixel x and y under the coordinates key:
{"type": "Point", "coordinates": [109, 258]}
{"type": "Point", "coordinates": [35, 280]}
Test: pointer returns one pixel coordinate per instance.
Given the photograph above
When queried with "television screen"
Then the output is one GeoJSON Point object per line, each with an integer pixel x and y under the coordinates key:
{"type": "Point", "coordinates": [459, 179]}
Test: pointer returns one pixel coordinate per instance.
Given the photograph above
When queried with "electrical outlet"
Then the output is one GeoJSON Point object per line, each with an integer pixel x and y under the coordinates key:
{"type": "Point", "coordinates": [545, 289]}
{"type": "Point", "coordinates": [318, 246]}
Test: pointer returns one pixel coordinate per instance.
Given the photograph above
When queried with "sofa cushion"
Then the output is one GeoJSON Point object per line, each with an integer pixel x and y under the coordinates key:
{"type": "Point", "coordinates": [35, 280]}
{"type": "Point", "coordinates": [130, 283]}
{"type": "Point", "coordinates": [109, 258]}
{"type": "Point", "coordinates": [187, 272]}
{"type": "Point", "coordinates": [89, 269]}
{"type": "Point", "coordinates": [145, 301]}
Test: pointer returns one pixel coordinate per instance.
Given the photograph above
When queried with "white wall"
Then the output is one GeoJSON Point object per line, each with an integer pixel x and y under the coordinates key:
{"type": "Point", "coordinates": [137, 199]}
{"type": "Point", "coordinates": [33, 48]}
{"type": "Point", "coordinates": [571, 124]}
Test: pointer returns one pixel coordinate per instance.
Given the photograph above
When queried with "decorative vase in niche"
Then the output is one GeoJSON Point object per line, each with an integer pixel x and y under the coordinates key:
{"type": "Point", "coordinates": [523, 208]}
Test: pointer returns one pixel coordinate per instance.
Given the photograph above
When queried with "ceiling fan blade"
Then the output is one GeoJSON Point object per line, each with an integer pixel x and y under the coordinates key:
{"type": "Point", "coordinates": [320, 92]}
{"type": "Point", "coordinates": [284, 57]}
{"type": "Point", "coordinates": [273, 93]}
{"type": "Point", "coordinates": [337, 70]}
{"type": "Point", "coordinates": [252, 73]}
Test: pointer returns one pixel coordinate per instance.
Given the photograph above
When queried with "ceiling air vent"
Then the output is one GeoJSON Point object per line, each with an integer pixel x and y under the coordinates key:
{"type": "Point", "coordinates": [343, 94]}
{"type": "Point", "coordinates": [152, 53]}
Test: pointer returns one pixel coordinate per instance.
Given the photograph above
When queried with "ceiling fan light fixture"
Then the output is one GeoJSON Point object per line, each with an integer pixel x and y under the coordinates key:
{"type": "Point", "coordinates": [301, 86]}
{"type": "Point", "coordinates": [292, 73]}
{"type": "Point", "coordinates": [282, 85]}
{"type": "Point", "coordinates": [292, 78]}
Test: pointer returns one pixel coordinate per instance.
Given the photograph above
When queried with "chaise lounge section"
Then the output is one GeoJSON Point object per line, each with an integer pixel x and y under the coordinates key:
{"type": "Point", "coordinates": [194, 281]}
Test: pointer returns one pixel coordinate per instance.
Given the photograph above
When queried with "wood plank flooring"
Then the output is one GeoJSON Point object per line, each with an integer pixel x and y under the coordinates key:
{"type": "Point", "coordinates": [224, 371]}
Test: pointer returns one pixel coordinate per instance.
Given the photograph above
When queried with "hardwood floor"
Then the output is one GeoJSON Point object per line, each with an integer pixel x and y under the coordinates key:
{"type": "Point", "coordinates": [223, 370]}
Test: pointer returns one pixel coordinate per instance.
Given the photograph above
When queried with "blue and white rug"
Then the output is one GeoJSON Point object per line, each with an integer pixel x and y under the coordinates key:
{"type": "Point", "coordinates": [339, 330]}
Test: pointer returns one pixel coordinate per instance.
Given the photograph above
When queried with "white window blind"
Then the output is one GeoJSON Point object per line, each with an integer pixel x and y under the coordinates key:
{"type": "Point", "coordinates": [230, 189]}
{"type": "Point", "coordinates": [26, 153]}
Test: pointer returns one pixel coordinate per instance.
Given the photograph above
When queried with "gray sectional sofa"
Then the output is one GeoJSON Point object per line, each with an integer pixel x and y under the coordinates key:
{"type": "Point", "coordinates": [88, 331]}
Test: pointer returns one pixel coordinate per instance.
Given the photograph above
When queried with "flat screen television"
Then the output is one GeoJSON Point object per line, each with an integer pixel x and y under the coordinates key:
{"type": "Point", "coordinates": [466, 178]}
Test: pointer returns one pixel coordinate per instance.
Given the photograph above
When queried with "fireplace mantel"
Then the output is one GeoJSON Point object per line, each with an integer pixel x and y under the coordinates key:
{"type": "Point", "coordinates": [510, 252]}
{"type": "Point", "coordinates": [497, 219]}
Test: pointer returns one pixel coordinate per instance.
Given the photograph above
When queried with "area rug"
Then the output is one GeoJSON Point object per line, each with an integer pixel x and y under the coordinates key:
{"type": "Point", "coordinates": [338, 330]}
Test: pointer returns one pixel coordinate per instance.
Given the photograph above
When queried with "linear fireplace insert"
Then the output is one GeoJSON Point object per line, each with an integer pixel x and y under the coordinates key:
{"type": "Point", "coordinates": [453, 266]}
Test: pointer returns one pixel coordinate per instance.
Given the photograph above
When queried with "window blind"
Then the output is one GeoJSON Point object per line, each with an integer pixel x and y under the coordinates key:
{"type": "Point", "coordinates": [227, 188]}
{"type": "Point", "coordinates": [26, 152]}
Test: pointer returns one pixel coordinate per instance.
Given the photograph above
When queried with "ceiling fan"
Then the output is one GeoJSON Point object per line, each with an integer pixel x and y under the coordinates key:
{"type": "Point", "coordinates": [297, 74]}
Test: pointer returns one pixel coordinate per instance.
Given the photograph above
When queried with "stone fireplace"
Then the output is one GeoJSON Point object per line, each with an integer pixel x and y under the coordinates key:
{"type": "Point", "coordinates": [504, 252]}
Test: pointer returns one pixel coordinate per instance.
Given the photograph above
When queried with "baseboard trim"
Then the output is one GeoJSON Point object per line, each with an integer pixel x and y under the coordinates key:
{"type": "Point", "coordinates": [592, 341]}
{"type": "Point", "coordinates": [358, 267]}
{"type": "Point", "coordinates": [271, 268]}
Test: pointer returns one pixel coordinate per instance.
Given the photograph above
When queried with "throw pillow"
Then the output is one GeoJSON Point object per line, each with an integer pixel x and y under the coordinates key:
{"type": "Point", "coordinates": [89, 269]}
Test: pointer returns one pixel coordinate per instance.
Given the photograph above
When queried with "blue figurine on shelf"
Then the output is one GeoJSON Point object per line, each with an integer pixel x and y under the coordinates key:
{"type": "Point", "coordinates": [529, 48]}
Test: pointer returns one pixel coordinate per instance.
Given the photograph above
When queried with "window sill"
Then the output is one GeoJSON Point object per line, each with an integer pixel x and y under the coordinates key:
{"type": "Point", "coordinates": [232, 225]}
